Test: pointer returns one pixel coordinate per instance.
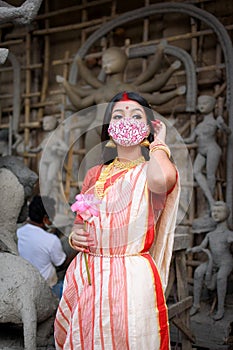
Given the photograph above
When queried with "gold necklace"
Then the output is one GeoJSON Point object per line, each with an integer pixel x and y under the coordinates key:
{"type": "Point", "coordinates": [105, 173]}
{"type": "Point", "coordinates": [129, 164]}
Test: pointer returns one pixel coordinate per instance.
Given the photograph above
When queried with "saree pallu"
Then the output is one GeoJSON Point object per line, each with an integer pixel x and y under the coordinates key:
{"type": "Point", "coordinates": [124, 307]}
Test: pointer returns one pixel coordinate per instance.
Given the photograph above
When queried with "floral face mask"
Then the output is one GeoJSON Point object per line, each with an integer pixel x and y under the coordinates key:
{"type": "Point", "coordinates": [128, 132]}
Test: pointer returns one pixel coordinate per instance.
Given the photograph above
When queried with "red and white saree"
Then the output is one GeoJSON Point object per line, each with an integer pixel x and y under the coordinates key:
{"type": "Point", "coordinates": [124, 308]}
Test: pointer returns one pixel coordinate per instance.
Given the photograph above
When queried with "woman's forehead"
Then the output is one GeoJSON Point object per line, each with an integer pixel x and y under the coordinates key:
{"type": "Point", "coordinates": [126, 105]}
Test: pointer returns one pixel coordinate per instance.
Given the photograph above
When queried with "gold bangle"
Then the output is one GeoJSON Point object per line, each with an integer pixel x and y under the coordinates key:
{"type": "Point", "coordinates": [70, 239]}
{"type": "Point", "coordinates": [161, 148]}
{"type": "Point", "coordinates": [156, 143]}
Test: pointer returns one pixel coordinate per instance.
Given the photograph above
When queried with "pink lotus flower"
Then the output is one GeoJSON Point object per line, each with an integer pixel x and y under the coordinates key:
{"type": "Point", "coordinates": [86, 206]}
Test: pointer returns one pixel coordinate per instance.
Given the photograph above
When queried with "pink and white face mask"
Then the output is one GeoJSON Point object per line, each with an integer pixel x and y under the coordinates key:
{"type": "Point", "coordinates": [128, 132]}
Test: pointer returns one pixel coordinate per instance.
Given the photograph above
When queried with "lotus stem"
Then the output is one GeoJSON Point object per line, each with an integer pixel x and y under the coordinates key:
{"type": "Point", "coordinates": [86, 262]}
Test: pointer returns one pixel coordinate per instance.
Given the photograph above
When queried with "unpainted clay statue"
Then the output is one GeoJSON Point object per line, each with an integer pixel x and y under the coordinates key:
{"type": "Point", "coordinates": [216, 270]}
{"type": "Point", "coordinates": [22, 15]}
{"type": "Point", "coordinates": [208, 150]}
{"type": "Point", "coordinates": [25, 297]}
{"type": "Point", "coordinates": [54, 150]}
{"type": "Point", "coordinates": [114, 61]}
{"type": "Point", "coordinates": [27, 179]}
{"type": "Point", "coordinates": [3, 55]}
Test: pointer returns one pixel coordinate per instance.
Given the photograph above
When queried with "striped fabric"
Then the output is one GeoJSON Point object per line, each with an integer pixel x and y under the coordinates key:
{"type": "Point", "coordinates": [124, 308]}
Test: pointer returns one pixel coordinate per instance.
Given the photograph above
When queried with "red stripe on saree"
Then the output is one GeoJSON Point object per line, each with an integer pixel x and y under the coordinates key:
{"type": "Point", "coordinates": [101, 305]}
{"type": "Point", "coordinates": [162, 308]}
{"type": "Point", "coordinates": [118, 306]}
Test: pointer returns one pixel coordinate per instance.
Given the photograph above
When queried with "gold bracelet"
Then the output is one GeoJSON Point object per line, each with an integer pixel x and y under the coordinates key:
{"type": "Point", "coordinates": [161, 148]}
{"type": "Point", "coordinates": [70, 239]}
{"type": "Point", "coordinates": [157, 143]}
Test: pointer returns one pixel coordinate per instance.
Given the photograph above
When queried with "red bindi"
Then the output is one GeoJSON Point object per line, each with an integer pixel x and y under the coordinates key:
{"type": "Point", "coordinates": [127, 107]}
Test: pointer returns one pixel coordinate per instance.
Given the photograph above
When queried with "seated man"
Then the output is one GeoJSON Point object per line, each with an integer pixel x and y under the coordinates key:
{"type": "Point", "coordinates": [41, 248]}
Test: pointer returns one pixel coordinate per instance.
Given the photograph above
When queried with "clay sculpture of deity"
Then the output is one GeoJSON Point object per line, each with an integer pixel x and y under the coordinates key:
{"type": "Point", "coordinates": [208, 150]}
{"type": "Point", "coordinates": [114, 61]}
{"type": "Point", "coordinates": [216, 270]}
{"type": "Point", "coordinates": [54, 152]}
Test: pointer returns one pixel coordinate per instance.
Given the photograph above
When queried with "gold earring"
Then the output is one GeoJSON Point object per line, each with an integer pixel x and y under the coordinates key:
{"type": "Point", "coordinates": [145, 143]}
{"type": "Point", "coordinates": [110, 144]}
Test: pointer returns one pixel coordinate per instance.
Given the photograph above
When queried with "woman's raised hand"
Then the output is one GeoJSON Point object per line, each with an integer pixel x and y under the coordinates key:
{"type": "Point", "coordinates": [159, 130]}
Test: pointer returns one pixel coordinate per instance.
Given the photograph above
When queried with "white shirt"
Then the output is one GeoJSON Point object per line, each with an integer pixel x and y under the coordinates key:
{"type": "Point", "coordinates": [42, 249]}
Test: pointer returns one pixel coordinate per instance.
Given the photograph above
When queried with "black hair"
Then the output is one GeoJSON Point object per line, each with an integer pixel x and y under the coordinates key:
{"type": "Point", "coordinates": [37, 210]}
{"type": "Point", "coordinates": [108, 154]}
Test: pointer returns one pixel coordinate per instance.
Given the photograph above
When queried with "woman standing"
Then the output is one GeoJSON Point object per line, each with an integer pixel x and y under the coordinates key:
{"type": "Point", "coordinates": [124, 307]}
